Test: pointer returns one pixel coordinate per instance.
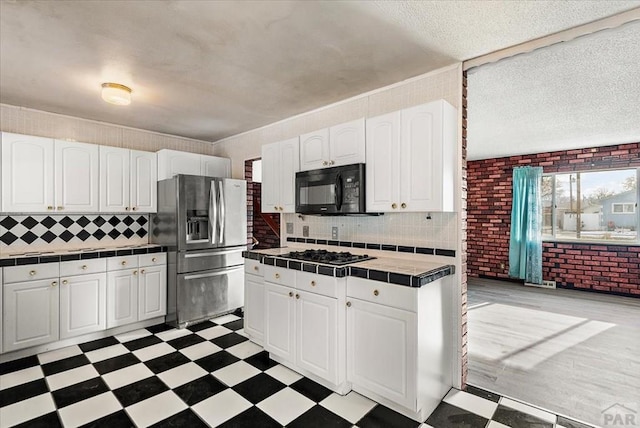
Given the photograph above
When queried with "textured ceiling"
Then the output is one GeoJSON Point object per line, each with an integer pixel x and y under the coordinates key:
{"type": "Point", "coordinates": [210, 69]}
{"type": "Point", "coordinates": [577, 94]}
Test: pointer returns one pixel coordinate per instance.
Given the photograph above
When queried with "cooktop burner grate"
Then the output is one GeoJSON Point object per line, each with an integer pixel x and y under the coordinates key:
{"type": "Point", "coordinates": [328, 257]}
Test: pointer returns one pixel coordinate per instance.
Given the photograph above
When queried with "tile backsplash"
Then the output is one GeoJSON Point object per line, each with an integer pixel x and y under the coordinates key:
{"type": "Point", "coordinates": [22, 233]}
{"type": "Point", "coordinates": [436, 230]}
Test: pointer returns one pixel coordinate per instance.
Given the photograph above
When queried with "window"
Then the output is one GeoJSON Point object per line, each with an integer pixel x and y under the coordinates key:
{"type": "Point", "coordinates": [591, 206]}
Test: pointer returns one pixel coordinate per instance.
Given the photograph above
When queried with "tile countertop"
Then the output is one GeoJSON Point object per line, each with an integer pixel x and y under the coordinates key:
{"type": "Point", "coordinates": [394, 270]}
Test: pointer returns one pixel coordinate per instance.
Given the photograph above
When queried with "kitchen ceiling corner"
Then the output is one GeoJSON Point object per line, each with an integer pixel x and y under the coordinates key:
{"type": "Point", "coordinates": [212, 69]}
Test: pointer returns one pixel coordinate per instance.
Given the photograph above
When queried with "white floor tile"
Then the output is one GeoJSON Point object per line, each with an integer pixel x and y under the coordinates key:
{"type": "Point", "coordinates": [182, 374]}
{"type": "Point", "coordinates": [71, 377]}
{"type": "Point", "coordinates": [19, 377]}
{"type": "Point", "coordinates": [494, 424]}
{"type": "Point", "coordinates": [285, 405]}
{"type": "Point", "coordinates": [425, 426]}
{"type": "Point", "coordinates": [26, 409]}
{"type": "Point", "coordinates": [472, 403]}
{"type": "Point", "coordinates": [213, 332]}
{"type": "Point", "coordinates": [106, 353]}
{"type": "Point", "coordinates": [59, 354]}
{"type": "Point", "coordinates": [174, 333]}
{"type": "Point", "coordinates": [351, 407]}
{"type": "Point", "coordinates": [235, 373]}
{"type": "Point", "coordinates": [90, 409]}
{"type": "Point", "coordinates": [221, 407]}
{"type": "Point", "coordinates": [283, 374]}
{"type": "Point", "coordinates": [241, 332]}
{"type": "Point", "coordinates": [155, 409]}
{"type": "Point", "coordinates": [154, 351]}
{"type": "Point", "coordinates": [525, 408]}
{"type": "Point", "coordinates": [225, 319]}
{"type": "Point", "coordinates": [127, 376]}
{"type": "Point", "coordinates": [133, 335]}
{"type": "Point", "coordinates": [200, 350]}
{"type": "Point", "coordinates": [244, 349]}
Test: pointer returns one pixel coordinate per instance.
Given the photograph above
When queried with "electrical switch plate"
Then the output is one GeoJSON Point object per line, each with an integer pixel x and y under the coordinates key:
{"type": "Point", "coordinates": [305, 231]}
{"type": "Point", "coordinates": [334, 233]}
{"type": "Point", "coordinates": [290, 228]}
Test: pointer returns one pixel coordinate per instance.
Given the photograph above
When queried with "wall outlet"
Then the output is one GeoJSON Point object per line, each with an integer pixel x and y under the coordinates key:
{"type": "Point", "coordinates": [545, 284]}
{"type": "Point", "coordinates": [305, 231]}
{"type": "Point", "coordinates": [501, 265]}
{"type": "Point", "coordinates": [334, 233]}
{"type": "Point", "coordinates": [290, 228]}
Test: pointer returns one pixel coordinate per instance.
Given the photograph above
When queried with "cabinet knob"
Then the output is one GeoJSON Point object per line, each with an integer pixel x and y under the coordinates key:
{"type": "Point", "coordinates": [154, 260]}
{"type": "Point", "coordinates": [313, 283]}
{"type": "Point", "coordinates": [275, 208]}
{"type": "Point", "coordinates": [142, 271]}
{"type": "Point", "coordinates": [325, 163]}
{"type": "Point", "coordinates": [135, 272]}
{"type": "Point", "coordinates": [126, 208]}
{"type": "Point", "coordinates": [348, 304]}
{"type": "Point", "coordinates": [277, 275]}
{"type": "Point", "coordinates": [60, 208]}
{"type": "Point", "coordinates": [280, 208]}
{"type": "Point", "coordinates": [376, 292]}
{"type": "Point", "coordinates": [124, 262]}
{"type": "Point", "coordinates": [255, 268]}
{"type": "Point", "coordinates": [394, 205]}
{"type": "Point", "coordinates": [65, 282]}
{"type": "Point", "coordinates": [290, 293]}
{"type": "Point", "coordinates": [135, 208]}
{"type": "Point", "coordinates": [49, 208]}
{"type": "Point", "coordinates": [297, 296]}
{"type": "Point", "coordinates": [54, 283]}
{"type": "Point", "coordinates": [31, 273]}
{"type": "Point", "coordinates": [84, 267]}
{"type": "Point", "coordinates": [403, 205]}
{"type": "Point", "coordinates": [331, 162]}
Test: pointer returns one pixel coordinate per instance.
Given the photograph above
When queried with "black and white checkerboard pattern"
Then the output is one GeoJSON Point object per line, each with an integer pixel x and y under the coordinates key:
{"type": "Point", "coordinates": [211, 375]}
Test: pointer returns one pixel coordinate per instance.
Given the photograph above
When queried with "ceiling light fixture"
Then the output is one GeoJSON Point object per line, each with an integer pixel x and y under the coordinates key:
{"type": "Point", "coordinates": [115, 93]}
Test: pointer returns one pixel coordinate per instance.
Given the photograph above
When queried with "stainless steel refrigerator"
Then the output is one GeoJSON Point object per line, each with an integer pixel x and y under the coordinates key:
{"type": "Point", "coordinates": [203, 221]}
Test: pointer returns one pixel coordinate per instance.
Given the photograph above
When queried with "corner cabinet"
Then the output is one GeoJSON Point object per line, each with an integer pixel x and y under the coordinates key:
{"type": "Point", "coordinates": [411, 158]}
{"type": "Point", "coordinates": [342, 144]}
{"type": "Point", "coordinates": [280, 162]}
{"type": "Point", "coordinates": [173, 162]}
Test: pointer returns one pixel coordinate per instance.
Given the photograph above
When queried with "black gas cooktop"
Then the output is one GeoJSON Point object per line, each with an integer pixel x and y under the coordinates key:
{"type": "Point", "coordinates": [328, 257]}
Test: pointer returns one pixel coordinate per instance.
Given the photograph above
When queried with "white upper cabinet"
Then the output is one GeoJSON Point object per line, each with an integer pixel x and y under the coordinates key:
{"type": "Point", "coordinates": [76, 176]}
{"type": "Point", "coordinates": [342, 144]}
{"type": "Point", "coordinates": [411, 159]}
{"type": "Point", "coordinates": [115, 171]}
{"type": "Point", "coordinates": [144, 179]}
{"type": "Point", "coordinates": [173, 162]}
{"type": "Point", "coordinates": [213, 166]}
{"type": "Point", "coordinates": [27, 173]}
{"type": "Point", "coordinates": [279, 167]}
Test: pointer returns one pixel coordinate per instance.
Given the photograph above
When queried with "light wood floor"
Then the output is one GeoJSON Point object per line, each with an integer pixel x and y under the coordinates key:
{"type": "Point", "coordinates": [574, 353]}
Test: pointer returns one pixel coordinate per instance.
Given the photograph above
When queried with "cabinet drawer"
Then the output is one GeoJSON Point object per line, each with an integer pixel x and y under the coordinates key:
{"type": "Point", "coordinates": [318, 284]}
{"type": "Point", "coordinates": [253, 267]}
{"type": "Point", "coordinates": [81, 267]}
{"type": "Point", "coordinates": [122, 262]}
{"type": "Point", "coordinates": [31, 272]}
{"type": "Point", "coordinates": [278, 275]}
{"type": "Point", "coordinates": [154, 259]}
{"type": "Point", "coordinates": [397, 296]}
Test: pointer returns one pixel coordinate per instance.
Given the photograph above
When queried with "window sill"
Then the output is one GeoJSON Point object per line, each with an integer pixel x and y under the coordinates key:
{"type": "Point", "coordinates": [592, 242]}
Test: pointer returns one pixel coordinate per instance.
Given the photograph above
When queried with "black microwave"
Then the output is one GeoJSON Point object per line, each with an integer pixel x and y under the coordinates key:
{"type": "Point", "coordinates": [337, 190]}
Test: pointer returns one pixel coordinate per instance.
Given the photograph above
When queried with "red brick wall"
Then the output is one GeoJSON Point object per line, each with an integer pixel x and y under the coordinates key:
{"type": "Point", "coordinates": [607, 268]}
{"type": "Point", "coordinates": [257, 227]}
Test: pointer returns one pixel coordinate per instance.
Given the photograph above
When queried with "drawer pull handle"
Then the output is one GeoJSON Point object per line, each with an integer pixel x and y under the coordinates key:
{"type": "Point", "coordinates": [154, 260]}
{"type": "Point", "coordinates": [124, 262]}
{"type": "Point", "coordinates": [290, 293]}
{"type": "Point", "coordinates": [135, 272]}
{"type": "Point", "coordinates": [84, 267]}
{"type": "Point", "coordinates": [277, 275]}
{"type": "Point", "coordinates": [348, 304]}
{"type": "Point", "coordinates": [297, 296]}
{"type": "Point", "coordinates": [255, 268]}
{"type": "Point", "coordinates": [376, 292]}
{"type": "Point", "coordinates": [135, 208]}
{"type": "Point", "coordinates": [403, 205]}
{"type": "Point", "coordinates": [142, 271]}
{"type": "Point", "coordinates": [126, 208]}
{"type": "Point", "coordinates": [49, 208]}
{"type": "Point", "coordinates": [313, 283]}
{"type": "Point", "coordinates": [54, 283]}
{"type": "Point", "coordinates": [275, 208]}
{"type": "Point", "coordinates": [65, 282]}
{"type": "Point", "coordinates": [394, 205]}
{"type": "Point", "coordinates": [32, 273]}
{"type": "Point", "coordinates": [60, 208]}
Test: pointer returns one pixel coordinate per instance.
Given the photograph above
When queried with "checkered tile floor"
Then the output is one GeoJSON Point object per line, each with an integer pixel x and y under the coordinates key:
{"type": "Point", "coordinates": [210, 375]}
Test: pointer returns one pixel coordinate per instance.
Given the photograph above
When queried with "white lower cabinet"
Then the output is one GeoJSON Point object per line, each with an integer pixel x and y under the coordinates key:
{"type": "Point", "coordinates": [152, 294]}
{"type": "Point", "coordinates": [122, 297]}
{"type": "Point", "coordinates": [83, 304]}
{"type": "Point", "coordinates": [254, 308]}
{"type": "Point", "coordinates": [279, 334]}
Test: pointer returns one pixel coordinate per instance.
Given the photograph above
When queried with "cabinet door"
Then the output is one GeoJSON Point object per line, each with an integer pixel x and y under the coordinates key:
{"type": "Point", "coordinates": [122, 297]}
{"type": "Point", "coordinates": [254, 308]}
{"type": "Point", "coordinates": [279, 332]}
{"type": "Point", "coordinates": [381, 351]}
{"type": "Point", "coordinates": [144, 178]}
{"type": "Point", "coordinates": [346, 143]}
{"type": "Point", "coordinates": [76, 176]}
{"type": "Point", "coordinates": [383, 163]}
{"type": "Point", "coordinates": [270, 178]}
{"type": "Point", "coordinates": [213, 166]}
{"type": "Point", "coordinates": [314, 150]}
{"type": "Point", "coordinates": [289, 165]}
{"type": "Point", "coordinates": [27, 173]}
{"type": "Point", "coordinates": [83, 304]}
{"type": "Point", "coordinates": [152, 292]}
{"type": "Point", "coordinates": [30, 314]}
{"type": "Point", "coordinates": [114, 179]}
{"type": "Point", "coordinates": [173, 162]}
{"type": "Point", "coordinates": [317, 334]}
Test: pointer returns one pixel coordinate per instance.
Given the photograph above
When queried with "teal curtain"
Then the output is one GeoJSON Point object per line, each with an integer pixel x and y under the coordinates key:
{"type": "Point", "coordinates": [525, 243]}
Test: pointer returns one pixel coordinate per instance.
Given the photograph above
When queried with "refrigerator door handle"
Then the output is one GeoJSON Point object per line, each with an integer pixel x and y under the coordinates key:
{"type": "Point", "coordinates": [222, 211]}
{"type": "Point", "coordinates": [208, 275]}
{"type": "Point", "coordinates": [211, 254]}
{"type": "Point", "coordinates": [213, 213]}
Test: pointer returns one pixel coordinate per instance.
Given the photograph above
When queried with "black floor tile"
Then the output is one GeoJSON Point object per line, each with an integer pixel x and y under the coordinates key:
{"type": "Point", "coordinates": [319, 417]}
{"type": "Point", "coordinates": [216, 361]}
{"type": "Point", "coordinates": [229, 340]}
{"type": "Point", "coordinates": [20, 364]}
{"type": "Point", "coordinates": [143, 342]}
{"type": "Point", "coordinates": [514, 418]}
{"type": "Point", "coordinates": [78, 392]}
{"type": "Point", "coordinates": [50, 420]}
{"type": "Point", "coordinates": [569, 423]}
{"type": "Point", "coordinates": [310, 389]}
{"type": "Point", "coordinates": [66, 364]}
{"type": "Point", "coordinates": [97, 344]}
{"type": "Point", "coordinates": [383, 417]}
{"type": "Point", "coordinates": [119, 419]}
{"type": "Point", "coordinates": [234, 325]}
{"type": "Point", "coordinates": [23, 392]}
{"type": "Point", "coordinates": [482, 393]}
{"type": "Point", "coordinates": [252, 417]}
{"type": "Point", "coordinates": [448, 416]}
{"type": "Point", "coordinates": [184, 341]}
{"type": "Point", "coordinates": [185, 418]}
{"type": "Point", "coordinates": [199, 389]}
{"type": "Point", "coordinates": [201, 326]}
{"type": "Point", "coordinates": [159, 328]}
{"type": "Point", "coordinates": [258, 387]}
{"type": "Point", "coordinates": [261, 361]}
{"type": "Point", "coordinates": [115, 363]}
{"type": "Point", "coordinates": [141, 390]}
{"type": "Point", "coordinates": [166, 362]}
